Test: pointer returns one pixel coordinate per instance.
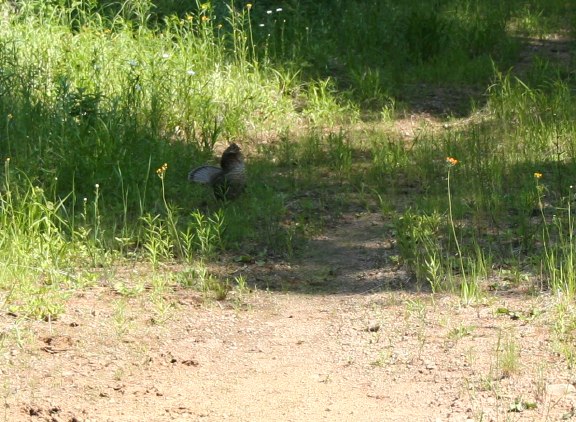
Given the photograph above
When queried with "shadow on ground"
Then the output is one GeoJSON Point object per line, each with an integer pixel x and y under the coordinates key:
{"type": "Point", "coordinates": [356, 255]}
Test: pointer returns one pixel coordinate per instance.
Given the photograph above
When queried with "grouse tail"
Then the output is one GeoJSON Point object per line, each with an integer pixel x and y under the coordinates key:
{"type": "Point", "coordinates": [204, 174]}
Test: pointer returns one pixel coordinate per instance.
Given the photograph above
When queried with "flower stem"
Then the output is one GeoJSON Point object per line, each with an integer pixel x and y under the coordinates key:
{"type": "Point", "coordinates": [450, 216]}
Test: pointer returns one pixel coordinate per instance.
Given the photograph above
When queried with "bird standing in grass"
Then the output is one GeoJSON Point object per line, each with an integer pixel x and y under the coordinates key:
{"type": "Point", "coordinates": [229, 180]}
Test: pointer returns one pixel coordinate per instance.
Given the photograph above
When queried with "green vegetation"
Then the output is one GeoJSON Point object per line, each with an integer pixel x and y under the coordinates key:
{"type": "Point", "coordinates": [105, 107]}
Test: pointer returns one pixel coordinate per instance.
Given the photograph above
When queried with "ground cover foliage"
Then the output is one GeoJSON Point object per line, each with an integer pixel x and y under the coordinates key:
{"type": "Point", "coordinates": [105, 107]}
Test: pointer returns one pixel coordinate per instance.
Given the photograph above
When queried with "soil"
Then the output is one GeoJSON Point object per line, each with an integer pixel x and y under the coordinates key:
{"type": "Point", "coordinates": [362, 347]}
{"type": "Point", "coordinates": [340, 334]}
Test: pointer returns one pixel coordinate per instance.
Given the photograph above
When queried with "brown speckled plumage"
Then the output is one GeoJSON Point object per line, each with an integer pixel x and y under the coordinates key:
{"type": "Point", "coordinates": [229, 180]}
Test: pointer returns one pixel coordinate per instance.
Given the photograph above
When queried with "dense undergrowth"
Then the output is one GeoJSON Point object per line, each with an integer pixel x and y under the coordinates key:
{"type": "Point", "coordinates": [98, 96]}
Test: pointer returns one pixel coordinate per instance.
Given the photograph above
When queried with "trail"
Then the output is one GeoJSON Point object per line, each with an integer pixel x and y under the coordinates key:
{"type": "Point", "coordinates": [353, 351]}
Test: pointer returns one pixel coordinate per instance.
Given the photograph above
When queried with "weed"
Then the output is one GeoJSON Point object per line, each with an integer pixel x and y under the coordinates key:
{"type": "Point", "coordinates": [199, 277]}
{"type": "Point", "coordinates": [122, 322]}
{"type": "Point", "coordinates": [163, 309]}
{"type": "Point", "coordinates": [540, 382]}
{"type": "Point", "coordinates": [469, 286]}
{"type": "Point", "coordinates": [157, 241]}
{"type": "Point", "coordinates": [507, 355]}
{"type": "Point", "coordinates": [207, 232]}
{"type": "Point", "coordinates": [385, 356]}
{"type": "Point", "coordinates": [461, 331]}
{"type": "Point", "coordinates": [564, 329]}
{"type": "Point", "coordinates": [123, 289]}
{"type": "Point", "coordinates": [241, 285]}
{"type": "Point", "coordinates": [171, 218]}
{"type": "Point", "coordinates": [417, 237]}
{"type": "Point", "coordinates": [559, 256]}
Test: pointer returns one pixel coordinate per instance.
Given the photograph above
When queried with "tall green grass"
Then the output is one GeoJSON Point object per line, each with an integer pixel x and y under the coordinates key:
{"type": "Point", "coordinates": [511, 193]}
{"type": "Point", "coordinates": [96, 97]}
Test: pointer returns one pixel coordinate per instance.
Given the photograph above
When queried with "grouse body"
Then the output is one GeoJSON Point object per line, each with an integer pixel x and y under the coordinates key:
{"type": "Point", "coordinates": [229, 180]}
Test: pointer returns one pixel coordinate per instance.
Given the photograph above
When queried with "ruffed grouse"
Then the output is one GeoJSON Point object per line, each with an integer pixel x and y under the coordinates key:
{"type": "Point", "coordinates": [228, 180]}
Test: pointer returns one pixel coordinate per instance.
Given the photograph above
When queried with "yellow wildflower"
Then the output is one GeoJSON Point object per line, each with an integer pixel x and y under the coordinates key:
{"type": "Point", "coordinates": [451, 161]}
{"type": "Point", "coordinates": [160, 171]}
{"type": "Point", "coordinates": [537, 175]}
{"type": "Point", "coordinates": [249, 6]}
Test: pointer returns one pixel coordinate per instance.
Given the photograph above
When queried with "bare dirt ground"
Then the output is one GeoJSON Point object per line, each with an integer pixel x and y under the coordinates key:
{"type": "Point", "coordinates": [365, 352]}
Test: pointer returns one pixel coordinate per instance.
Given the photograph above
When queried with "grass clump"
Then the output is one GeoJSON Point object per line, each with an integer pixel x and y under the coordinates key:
{"type": "Point", "coordinates": [42, 250]}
